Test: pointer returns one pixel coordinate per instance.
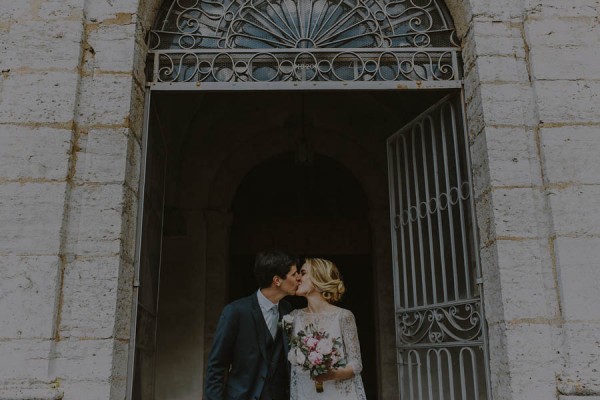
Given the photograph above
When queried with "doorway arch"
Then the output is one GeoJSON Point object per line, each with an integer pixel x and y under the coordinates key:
{"type": "Point", "coordinates": [192, 67]}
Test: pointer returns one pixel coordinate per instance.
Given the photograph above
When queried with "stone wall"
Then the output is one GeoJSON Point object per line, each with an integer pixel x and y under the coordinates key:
{"type": "Point", "coordinates": [71, 101]}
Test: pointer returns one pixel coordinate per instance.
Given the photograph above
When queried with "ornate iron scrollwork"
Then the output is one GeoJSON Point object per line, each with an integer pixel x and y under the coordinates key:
{"type": "Point", "coordinates": [308, 40]}
{"type": "Point", "coordinates": [460, 323]}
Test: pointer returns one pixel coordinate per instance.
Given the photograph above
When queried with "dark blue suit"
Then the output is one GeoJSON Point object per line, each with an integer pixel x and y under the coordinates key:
{"type": "Point", "coordinates": [245, 363]}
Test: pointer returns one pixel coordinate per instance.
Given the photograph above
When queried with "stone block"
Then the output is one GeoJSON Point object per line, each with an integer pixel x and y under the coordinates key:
{"type": "Point", "coordinates": [563, 33]}
{"type": "Point", "coordinates": [14, 10]}
{"type": "Point", "coordinates": [579, 277]}
{"type": "Point", "coordinates": [497, 10]}
{"type": "Point", "coordinates": [28, 287]}
{"type": "Point", "coordinates": [44, 97]}
{"type": "Point", "coordinates": [104, 154]}
{"type": "Point", "coordinates": [524, 279]}
{"type": "Point", "coordinates": [516, 213]}
{"type": "Point", "coordinates": [98, 232]}
{"type": "Point", "coordinates": [83, 360]}
{"type": "Point", "coordinates": [60, 9]}
{"type": "Point", "coordinates": [86, 389]}
{"type": "Point", "coordinates": [114, 47]}
{"type": "Point", "coordinates": [31, 217]}
{"type": "Point", "coordinates": [105, 100]}
{"type": "Point", "coordinates": [124, 301]}
{"type": "Point", "coordinates": [508, 104]}
{"type": "Point", "coordinates": [582, 359]}
{"type": "Point", "coordinates": [498, 38]}
{"type": "Point", "coordinates": [499, 367]}
{"type": "Point", "coordinates": [24, 359]}
{"type": "Point", "coordinates": [533, 361]}
{"type": "Point", "coordinates": [568, 101]}
{"type": "Point", "coordinates": [553, 8]}
{"type": "Point", "coordinates": [502, 69]}
{"type": "Point", "coordinates": [33, 153]}
{"type": "Point", "coordinates": [102, 11]}
{"type": "Point", "coordinates": [576, 210]}
{"type": "Point", "coordinates": [90, 284]}
{"type": "Point", "coordinates": [43, 44]}
{"type": "Point", "coordinates": [511, 157]}
{"type": "Point", "coordinates": [571, 154]}
{"type": "Point", "coordinates": [569, 63]}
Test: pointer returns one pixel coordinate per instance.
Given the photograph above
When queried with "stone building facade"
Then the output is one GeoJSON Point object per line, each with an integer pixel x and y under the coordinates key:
{"type": "Point", "coordinates": [72, 96]}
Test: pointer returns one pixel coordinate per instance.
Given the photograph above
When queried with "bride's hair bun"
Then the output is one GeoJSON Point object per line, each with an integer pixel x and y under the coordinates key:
{"type": "Point", "coordinates": [326, 279]}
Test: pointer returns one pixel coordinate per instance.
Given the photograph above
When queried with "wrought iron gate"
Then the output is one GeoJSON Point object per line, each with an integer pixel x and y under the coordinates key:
{"type": "Point", "coordinates": [441, 335]}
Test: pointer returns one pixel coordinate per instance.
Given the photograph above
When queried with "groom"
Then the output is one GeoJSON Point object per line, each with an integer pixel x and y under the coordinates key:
{"type": "Point", "coordinates": [248, 360]}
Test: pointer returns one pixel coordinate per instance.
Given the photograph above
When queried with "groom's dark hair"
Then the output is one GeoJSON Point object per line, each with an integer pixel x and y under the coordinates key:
{"type": "Point", "coordinates": [271, 263]}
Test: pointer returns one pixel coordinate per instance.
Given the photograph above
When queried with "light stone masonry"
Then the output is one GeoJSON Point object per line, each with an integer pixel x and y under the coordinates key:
{"type": "Point", "coordinates": [71, 116]}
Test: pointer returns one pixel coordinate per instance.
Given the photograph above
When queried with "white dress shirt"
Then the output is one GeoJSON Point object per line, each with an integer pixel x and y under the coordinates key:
{"type": "Point", "coordinates": [270, 312]}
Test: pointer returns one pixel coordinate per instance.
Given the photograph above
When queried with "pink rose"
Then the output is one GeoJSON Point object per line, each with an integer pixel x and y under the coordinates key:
{"type": "Point", "coordinates": [315, 358]}
{"type": "Point", "coordinates": [310, 342]}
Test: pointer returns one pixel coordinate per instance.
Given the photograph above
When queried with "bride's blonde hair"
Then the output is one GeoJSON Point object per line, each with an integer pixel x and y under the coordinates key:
{"type": "Point", "coordinates": [325, 277]}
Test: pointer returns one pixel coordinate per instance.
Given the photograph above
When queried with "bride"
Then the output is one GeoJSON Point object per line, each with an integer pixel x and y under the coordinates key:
{"type": "Point", "coordinates": [322, 286]}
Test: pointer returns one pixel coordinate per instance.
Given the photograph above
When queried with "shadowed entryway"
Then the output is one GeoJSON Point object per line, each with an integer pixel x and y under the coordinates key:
{"type": "Point", "coordinates": [312, 205]}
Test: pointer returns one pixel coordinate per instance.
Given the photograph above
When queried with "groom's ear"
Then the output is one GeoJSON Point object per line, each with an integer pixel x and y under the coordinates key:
{"type": "Point", "coordinates": [277, 280]}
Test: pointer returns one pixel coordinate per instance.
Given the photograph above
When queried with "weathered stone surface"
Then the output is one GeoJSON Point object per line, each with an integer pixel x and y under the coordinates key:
{"type": "Point", "coordinates": [524, 275]}
{"type": "Point", "coordinates": [103, 156]}
{"type": "Point", "coordinates": [579, 276]}
{"type": "Point", "coordinates": [571, 154]}
{"type": "Point", "coordinates": [100, 219]}
{"type": "Point", "coordinates": [50, 44]}
{"type": "Point", "coordinates": [502, 69]}
{"type": "Point", "coordinates": [549, 63]}
{"type": "Point", "coordinates": [582, 345]}
{"type": "Point", "coordinates": [24, 359]}
{"type": "Point", "coordinates": [511, 157]}
{"type": "Point", "coordinates": [28, 288]}
{"type": "Point", "coordinates": [31, 217]}
{"type": "Point", "coordinates": [113, 46]}
{"type": "Point", "coordinates": [516, 212]}
{"type": "Point", "coordinates": [101, 11]}
{"type": "Point", "coordinates": [533, 362]}
{"type": "Point", "coordinates": [568, 101]}
{"type": "Point", "coordinates": [44, 97]}
{"type": "Point", "coordinates": [90, 284]}
{"type": "Point", "coordinates": [508, 104]}
{"type": "Point", "coordinates": [105, 100]}
{"type": "Point", "coordinates": [576, 210]}
{"type": "Point", "coordinates": [33, 153]}
{"type": "Point", "coordinates": [83, 360]}
{"type": "Point", "coordinates": [554, 8]}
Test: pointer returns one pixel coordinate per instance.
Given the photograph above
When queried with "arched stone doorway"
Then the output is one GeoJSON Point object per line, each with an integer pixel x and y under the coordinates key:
{"type": "Point", "coordinates": [218, 161]}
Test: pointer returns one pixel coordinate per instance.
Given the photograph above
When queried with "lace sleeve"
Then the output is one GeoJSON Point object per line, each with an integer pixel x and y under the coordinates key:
{"type": "Point", "coordinates": [351, 344]}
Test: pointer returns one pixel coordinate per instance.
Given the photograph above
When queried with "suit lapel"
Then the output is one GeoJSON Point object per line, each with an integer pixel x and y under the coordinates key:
{"type": "Point", "coordinates": [260, 327]}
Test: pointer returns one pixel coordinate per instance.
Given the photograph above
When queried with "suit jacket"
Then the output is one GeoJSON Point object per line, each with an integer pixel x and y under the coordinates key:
{"type": "Point", "coordinates": [240, 352]}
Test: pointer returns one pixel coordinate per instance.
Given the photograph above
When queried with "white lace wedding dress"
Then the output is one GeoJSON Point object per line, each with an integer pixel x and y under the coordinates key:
{"type": "Point", "coordinates": [338, 323]}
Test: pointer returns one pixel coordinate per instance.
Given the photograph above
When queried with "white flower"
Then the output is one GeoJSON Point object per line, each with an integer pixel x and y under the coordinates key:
{"type": "Point", "coordinates": [287, 319]}
{"type": "Point", "coordinates": [315, 358]}
{"type": "Point", "coordinates": [325, 346]}
{"type": "Point", "coordinates": [295, 356]}
{"type": "Point", "coordinates": [311, 342]}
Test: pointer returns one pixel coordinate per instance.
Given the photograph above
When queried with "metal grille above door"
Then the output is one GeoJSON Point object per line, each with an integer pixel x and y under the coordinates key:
{"type": "Point", "coordinates": [270, 44]}
{"type": "Point", "coordinates": [441, 336]}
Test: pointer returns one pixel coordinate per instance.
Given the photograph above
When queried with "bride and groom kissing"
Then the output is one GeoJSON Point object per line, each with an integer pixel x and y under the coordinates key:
{"type": "Point", "coordinates": [312, 353]}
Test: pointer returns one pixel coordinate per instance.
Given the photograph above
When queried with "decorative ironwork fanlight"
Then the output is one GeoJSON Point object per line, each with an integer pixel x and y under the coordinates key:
{"type": "Point", "coordinates": [303, 40]}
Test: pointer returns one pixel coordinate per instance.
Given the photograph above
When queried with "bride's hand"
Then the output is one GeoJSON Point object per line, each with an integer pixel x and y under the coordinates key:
{"type": "Point", "coordinates": [335, 375]}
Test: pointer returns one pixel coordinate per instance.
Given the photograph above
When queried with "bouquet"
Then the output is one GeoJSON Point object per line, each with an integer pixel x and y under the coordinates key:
{"type": "Point", "coordinates": [314, 351]}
